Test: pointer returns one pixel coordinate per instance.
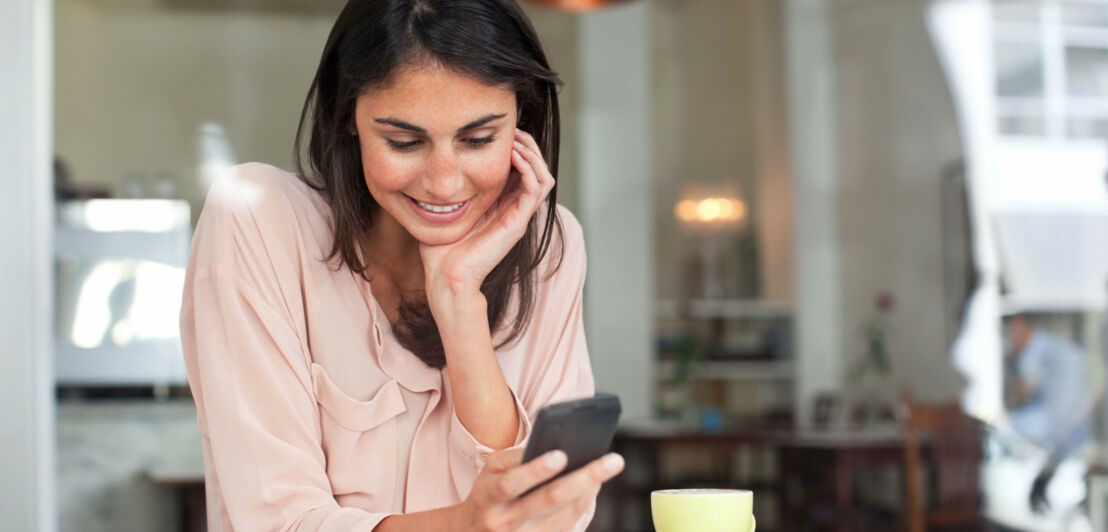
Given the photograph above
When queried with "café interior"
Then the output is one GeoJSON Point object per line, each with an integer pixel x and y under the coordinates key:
{"type": "Point", "coordinates": [851, 255]}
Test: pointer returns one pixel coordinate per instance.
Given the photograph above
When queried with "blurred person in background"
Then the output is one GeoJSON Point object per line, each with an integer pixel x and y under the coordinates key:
{"type": "Point", "coordinates": [1051, 392]}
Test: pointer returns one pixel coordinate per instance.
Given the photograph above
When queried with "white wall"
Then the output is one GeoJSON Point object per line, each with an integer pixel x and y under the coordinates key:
{"type": "Point", "coordinates": [27, 500]}
{"type": "Point", "coordinates": [616, 197]}
{"type": "Point", "coordinates": [812, 118]}
{"type": "Point", "coordinates": [895, 133]}
{"type": "Point", "coordinates": [135, 80]}
{"type": "Point", "coordinates": [773, 186]}
{"type": "Point", "coordinates": [873, 126]}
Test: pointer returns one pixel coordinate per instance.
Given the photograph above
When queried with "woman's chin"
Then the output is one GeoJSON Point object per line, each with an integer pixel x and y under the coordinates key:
{"type": "Point", "coordinates": [439, 236]}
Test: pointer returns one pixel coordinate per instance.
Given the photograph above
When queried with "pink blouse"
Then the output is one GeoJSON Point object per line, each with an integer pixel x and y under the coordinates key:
{"type": "Point", "coordinates": [313, 416]}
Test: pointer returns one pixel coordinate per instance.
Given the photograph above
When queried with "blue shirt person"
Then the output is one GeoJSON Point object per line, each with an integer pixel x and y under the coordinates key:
{"type": "Point", "coordinates": [1050, 395]}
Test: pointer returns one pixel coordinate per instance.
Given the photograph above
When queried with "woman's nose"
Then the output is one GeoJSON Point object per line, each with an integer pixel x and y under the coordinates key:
{"type": "Point", "coordinates": [444, 176]}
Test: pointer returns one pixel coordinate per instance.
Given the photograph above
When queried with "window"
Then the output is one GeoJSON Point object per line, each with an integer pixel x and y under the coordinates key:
{"type": "Point", "coordinates": [1051, 69]}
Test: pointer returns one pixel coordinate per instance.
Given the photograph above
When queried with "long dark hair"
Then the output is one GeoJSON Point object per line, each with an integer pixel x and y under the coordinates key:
{"type": "Point", "coordinates": [490, 40]}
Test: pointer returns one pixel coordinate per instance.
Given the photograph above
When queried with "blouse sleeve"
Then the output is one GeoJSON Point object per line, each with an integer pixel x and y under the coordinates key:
{"type": "Point", "coordinates": [566, 373]}
{"type": "Point", "coordinates": [569, 374]}
{"type": "Point", "coordinates": [558, 368]}
{"type": "Point", "coordinates": [250, 375]}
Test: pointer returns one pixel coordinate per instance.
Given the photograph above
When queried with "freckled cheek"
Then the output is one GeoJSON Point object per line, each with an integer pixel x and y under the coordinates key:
{"type": "Point", "coordinates": [388, 173]}
{"type": "Point", "coordinates": [490, 172]}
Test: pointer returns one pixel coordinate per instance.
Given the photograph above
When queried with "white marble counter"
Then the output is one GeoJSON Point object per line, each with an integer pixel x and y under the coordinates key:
{"type": "Point", "coordinates": [105, 448]}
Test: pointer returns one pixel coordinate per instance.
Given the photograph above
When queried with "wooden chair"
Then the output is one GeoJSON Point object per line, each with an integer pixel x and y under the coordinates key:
{"type": "Point", "coordinates": [954, 443]}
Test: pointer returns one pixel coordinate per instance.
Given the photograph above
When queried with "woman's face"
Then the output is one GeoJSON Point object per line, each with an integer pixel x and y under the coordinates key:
{"type": "Point", "coordinates": [437, 137]}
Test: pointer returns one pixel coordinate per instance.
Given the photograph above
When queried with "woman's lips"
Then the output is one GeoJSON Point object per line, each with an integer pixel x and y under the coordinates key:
{"type": "Point", "coordinates": [438, 217]}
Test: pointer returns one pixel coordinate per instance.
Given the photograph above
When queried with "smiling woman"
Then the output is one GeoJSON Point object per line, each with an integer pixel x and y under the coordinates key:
{"type": "Point", "coordinates": [338, 324]}
{"type": "Point", "coordinates": [449, 168]}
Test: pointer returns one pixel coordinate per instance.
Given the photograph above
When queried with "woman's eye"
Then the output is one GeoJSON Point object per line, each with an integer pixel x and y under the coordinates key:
{"type": "Point", "coordinates": [402, 146]}
{"type": "Point", "coordinates": [409, 145]}
{"type": "Point", "coordinates": [480, 141]}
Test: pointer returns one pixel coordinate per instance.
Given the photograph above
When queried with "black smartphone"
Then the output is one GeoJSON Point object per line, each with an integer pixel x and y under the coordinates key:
{"type": "Point", "coordinates": [582, 428]}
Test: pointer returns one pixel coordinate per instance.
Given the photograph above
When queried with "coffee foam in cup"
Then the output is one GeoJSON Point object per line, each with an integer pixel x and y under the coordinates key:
{"type": "Point", "coordinates": [701, 491]}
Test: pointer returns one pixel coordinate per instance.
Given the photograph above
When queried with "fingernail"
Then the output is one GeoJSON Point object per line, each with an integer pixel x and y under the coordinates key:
{"type": "Point", "coordinates": [518, 144]}
{"type": "Point", "coordinates": [555, 459]}
{"type": "Point", "coordinates": [613, 462]}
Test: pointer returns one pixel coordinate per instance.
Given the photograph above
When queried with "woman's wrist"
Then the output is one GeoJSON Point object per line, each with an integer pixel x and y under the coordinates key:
{"type": "Point", "coordinates": [444, 518]}
{"type": "Point", "coordinates": [463, 325]}
{"type": "Point", "coordinates": [456, 305]}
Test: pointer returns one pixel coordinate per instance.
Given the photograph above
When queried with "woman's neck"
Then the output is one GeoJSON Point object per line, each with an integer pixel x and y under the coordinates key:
{"type": "Point", "coordinates": [393, 251]}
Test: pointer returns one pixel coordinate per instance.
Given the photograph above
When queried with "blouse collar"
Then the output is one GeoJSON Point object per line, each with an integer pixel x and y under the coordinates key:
{"type": "Point", "coordinates": [397, 362]}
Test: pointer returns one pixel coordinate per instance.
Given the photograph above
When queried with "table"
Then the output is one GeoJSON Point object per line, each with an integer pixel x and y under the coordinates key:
{"type": "Point", "coordinates": [802, 454]}
{"type": "Point", "coordinates": [648, 438]}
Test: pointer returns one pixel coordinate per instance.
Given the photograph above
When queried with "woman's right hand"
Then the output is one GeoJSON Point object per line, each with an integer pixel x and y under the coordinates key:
{"type": "Point", "coordinates": [495, 503]}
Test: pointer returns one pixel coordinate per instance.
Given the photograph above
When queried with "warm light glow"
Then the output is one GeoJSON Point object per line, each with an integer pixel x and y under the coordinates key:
{"type": "Point", "coordinates": [708, 209]}
{"type": "Point", "coordinates": [686, 210]}
{"type": "Point", "coordinates": [577, 5]}
{"type": "Point", "coordinates": [726, 208]}
{"type": "Point", "coordinates": [712, 211]}
{"type": "Point", "coordinates": [740, 209]}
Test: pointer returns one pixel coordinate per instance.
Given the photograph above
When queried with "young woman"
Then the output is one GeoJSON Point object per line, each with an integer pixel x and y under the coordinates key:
{"type": "Point", "coordinates": [368, 340]}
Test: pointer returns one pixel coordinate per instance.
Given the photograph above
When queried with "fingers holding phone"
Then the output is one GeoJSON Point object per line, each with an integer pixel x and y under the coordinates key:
{"type": "Point", "coordinates": [489, 506]}
{"type": "Point", "coordinates": [559, 504]}
{"type": "Point", "coordinates": [519, 480]}
{"type": "Point", "coordinates": [555, 480]}
{"type": "Point", "coordinates": [497, 501]}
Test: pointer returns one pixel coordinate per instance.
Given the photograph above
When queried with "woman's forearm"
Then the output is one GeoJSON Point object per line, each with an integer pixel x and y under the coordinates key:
{"type": "Point", "coordinates": [482, 399]}
{"type": "Point", "coordinates": [437, 519]}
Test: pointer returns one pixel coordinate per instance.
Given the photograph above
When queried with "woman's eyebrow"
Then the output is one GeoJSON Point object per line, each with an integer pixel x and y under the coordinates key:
{"type": "Point", "coordinates": [411, 127]}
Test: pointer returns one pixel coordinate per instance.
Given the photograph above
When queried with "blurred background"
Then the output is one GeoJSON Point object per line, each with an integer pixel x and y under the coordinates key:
{"type": "Point", "coordinates": [850, 254]}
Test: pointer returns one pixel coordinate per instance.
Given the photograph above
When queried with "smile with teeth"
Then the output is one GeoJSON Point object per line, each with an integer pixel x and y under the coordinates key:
{"type": "Point", "coordinates": [439, 208]}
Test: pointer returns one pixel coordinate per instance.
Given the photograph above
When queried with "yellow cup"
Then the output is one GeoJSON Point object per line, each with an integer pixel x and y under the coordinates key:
{"type": "Point", "coordinates": [703, 510]}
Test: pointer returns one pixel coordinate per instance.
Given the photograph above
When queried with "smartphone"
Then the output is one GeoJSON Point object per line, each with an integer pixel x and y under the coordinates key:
{"type": "Point", "coordinates": [582, 428]}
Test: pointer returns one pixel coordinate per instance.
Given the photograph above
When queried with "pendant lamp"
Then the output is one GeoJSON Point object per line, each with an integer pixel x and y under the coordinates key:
{"type": "Point", "coordinates": [577, 5]}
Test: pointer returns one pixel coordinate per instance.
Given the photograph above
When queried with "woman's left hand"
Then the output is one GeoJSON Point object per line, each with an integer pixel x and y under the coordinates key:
{"type": "Point", "coordinates": [460, 267]}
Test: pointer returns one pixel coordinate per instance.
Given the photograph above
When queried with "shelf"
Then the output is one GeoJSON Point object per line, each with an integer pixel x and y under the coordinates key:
{"type": "Point", "coordinates": [733, 369]}
{"type": "Point", "coordinates": [726, 308]}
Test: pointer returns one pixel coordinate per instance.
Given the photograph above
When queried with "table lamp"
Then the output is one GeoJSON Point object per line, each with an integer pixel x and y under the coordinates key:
{"type": "Point", "coordinates": [712, 215]}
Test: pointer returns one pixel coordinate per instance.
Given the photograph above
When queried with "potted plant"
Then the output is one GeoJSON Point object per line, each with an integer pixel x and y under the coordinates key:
{"type": "Point", "coordinates": [871, 368]}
